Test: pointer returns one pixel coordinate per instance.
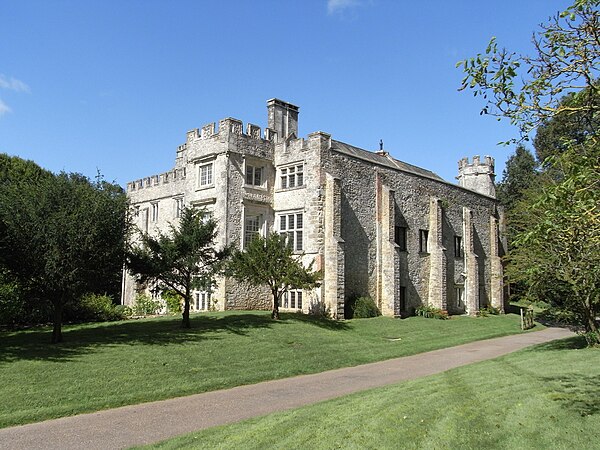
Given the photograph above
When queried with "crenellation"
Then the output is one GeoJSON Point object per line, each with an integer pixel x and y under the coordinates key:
{"type": "Point", "coordinates": [193, 134]}
{"type": "Point", "coordinates": [253, 131]}
{"type": "Point", "coordinates": [176, 174]}
{"type": "Point", "coordinates": [208, 130]}
{"type": "Point", "coordinates": [478, 176]}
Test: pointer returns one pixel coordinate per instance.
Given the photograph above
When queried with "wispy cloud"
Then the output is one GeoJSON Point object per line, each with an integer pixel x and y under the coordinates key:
{"type": "Point", "coordinates": [4, 108]}
{"type": "Point", "coordinates": [339, 6]}
{"type": "Point", "coordinates": [13, 84]}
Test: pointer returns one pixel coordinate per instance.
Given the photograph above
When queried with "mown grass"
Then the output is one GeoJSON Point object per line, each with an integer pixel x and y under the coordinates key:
{"type": "Point", "coordinates": [107, 365]}
{"type": "Point", "coordinates": [545, 397]}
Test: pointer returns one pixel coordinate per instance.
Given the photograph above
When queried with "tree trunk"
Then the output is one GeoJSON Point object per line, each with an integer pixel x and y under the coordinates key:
{"type": "Point", "coordinates": [275, 312]}
{"type": "Point", "coordinates": [592, 333]}
{"type": "Point", "coordinates": [57, 323]}
{"type": "Point", "coordinates": [185, 323]}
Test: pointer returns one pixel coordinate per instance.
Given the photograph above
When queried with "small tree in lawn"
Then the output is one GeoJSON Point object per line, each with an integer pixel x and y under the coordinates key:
{"type": "Point", "coordinates": [181, 261]}
{"type": "Point", "coordinates": [271, 262]}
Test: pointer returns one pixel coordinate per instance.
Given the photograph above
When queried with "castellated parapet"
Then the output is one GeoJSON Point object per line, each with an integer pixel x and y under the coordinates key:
{"type": "Point", "coordinates": [478, 176]}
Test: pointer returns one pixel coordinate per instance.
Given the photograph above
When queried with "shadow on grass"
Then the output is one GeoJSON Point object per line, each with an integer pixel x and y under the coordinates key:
{"type": "Point", "coordinates": [577, 392]}
{"type": "Point", "coordinates": [79, 339]}
{"type": "Point", "coordinates": [572, 343]}
{"type": "Point", "coordinates": [321, 322]}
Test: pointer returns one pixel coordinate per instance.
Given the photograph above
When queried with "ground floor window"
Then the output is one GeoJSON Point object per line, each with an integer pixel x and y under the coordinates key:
{"type": "Point", "coordinates": [202, 301]}
{"type": "Point", "coordinates": [459, 295]}
{"type": "Point", "coordinates": [253, 225]}
{"type": "Point", "coordinates": [292, 299]}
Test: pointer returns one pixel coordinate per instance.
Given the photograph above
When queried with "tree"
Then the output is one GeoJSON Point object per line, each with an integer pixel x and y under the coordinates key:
{"type": "Point", "coordinates": [555, 135]}
{"type": "Point", "coordinates": [181, 261]}
{"type": "Point", "coordinates": [63, 237]}
{"type": "Point", "coordinates": [518, 176]}
{"type": "Point", "coordinates": [529, 90]}
{"type": "Point", "coordinates": [271, 262]}
{"type": "Point", "coordinates": [556, 251]}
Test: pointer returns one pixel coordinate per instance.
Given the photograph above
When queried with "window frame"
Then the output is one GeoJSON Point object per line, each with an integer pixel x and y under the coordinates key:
{"type": "Point", "coordinates": [209, 178]}
{"type": "Point", "coordinates": [293, 297]}
{"type": "Point", "coordinates": [458, 246]}
{"type": "Point", "coordinates": [400, 237]}
{"type": "Point", "coordinates": [423, 238]}
{"type": "Point", "coordinates": [254, 169]}
{"type": "Point", "coordinates": [154, 215]}
{"type": "Point", "coordinates": [294, 234]}
{"type": "Point", "coordinates": [291, 176]}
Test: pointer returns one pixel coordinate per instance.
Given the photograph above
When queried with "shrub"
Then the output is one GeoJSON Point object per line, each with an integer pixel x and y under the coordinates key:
{"type": "Point", "coordinates": [488, 311]}
{"type": "Point", "coordinates": [173, 302]}
{"type": "Point", "coordinates": [431, 313]}
{"type": "Point", "coordinates": [364, 307]}
{"type": "Point", "coordinates": [144, 305]}
{"type": "Point", "coordinates": [319, 309]}
{"type": "Point", "coordinates": [94, 307]}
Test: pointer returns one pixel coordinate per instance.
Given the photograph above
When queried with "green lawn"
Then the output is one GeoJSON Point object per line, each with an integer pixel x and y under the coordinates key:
{"type": "Point", "coordinates": [106, 365]}
{"type": "Point", "coordinates": [545, 397]}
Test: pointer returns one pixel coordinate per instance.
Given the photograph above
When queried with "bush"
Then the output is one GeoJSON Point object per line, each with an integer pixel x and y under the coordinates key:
{"type": "Point", "coordinates": [364, 307]}
{"type": "Point", "coordinates": [173, 302]}
{"type": "Point", "coordinates": [319, 309]}
{"type": "Point", "coordinates": [488, 311]}
{"type": "Point", "coordinates": [11, 305]}
{"type": "Point", "coordinates": [144, 305]}
{"type": "Point", "coordinates": [431, 313]}
{"type": "Point", "coordinates": [94, 307]}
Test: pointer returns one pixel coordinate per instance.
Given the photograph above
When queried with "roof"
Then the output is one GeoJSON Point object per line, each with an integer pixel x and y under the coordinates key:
{"type": "Point", "coordinates": [382, 159]}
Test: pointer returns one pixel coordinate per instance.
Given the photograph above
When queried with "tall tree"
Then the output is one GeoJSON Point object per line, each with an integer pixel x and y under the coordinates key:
{"type": "Point", "coordinates": [271, 262]}
{"type": "Point", "coordinates": [182, 260]}
{"type": "Point", "coordinates": [518, 176]}
{"type": "Point", "coordinates": [63, 236]}
{"type": "Point", "coordinates": [555, 135]}
{"type": "Point", "coordinates": [557, 244]}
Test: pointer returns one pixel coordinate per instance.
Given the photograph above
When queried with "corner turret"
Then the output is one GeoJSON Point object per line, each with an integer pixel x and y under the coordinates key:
{"type": "Point", "coordinates": [477, 176]}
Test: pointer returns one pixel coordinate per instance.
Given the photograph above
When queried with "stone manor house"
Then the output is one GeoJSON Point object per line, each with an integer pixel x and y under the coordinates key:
{"type": "Point", "coordinates": [374, 225]}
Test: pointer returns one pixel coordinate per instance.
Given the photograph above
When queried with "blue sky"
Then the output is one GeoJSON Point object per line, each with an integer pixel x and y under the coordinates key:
{"type": "Point", "coordinates": [114, 85]}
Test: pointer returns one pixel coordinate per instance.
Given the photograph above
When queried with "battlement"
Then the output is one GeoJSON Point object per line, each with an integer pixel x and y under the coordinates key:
{"type": "Point", "coordinates": [485, 166]}
{"type": "Point", "coordinates": [231, 126]}
{"type": "Point", "coordinates": [176, 174]}
{"type": "Point", "coordinates": [477, 175]}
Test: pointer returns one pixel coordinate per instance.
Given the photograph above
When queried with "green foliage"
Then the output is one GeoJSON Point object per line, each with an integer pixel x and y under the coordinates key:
{"type": "Point", "coordinates": [555, 254]}
{"type": "Point", "coordinates": [553, 137]}
{"type": "Point", "coordinates": [529, 89]}
{"type": "Point", "coordinates": [74, 239]}
{"type": "Point", "coordinates": [173, 301]}
{"type": "Point", "coordinates": [181, 261]}
{"type": "Point", "coordinates": [519, 175]}
{"type": "Point", "coordinates": [431, 312]}
{"type": "Point", "coordinates": [488, 311]}
{"type": "Point", "coordinates": [271, 262]}
{"type": "Point", "coordinates": [95, 308]}
{"type": "Point", "coordinates": [144, 305]}
{"type": "Point", "coordinates": [363, 308]}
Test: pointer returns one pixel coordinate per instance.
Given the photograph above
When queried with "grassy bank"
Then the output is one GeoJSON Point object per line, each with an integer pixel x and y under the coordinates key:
{"type": "Point", "coordinates": [539, 398]}
{"type": "Point", "coordinates": [106, 365]}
